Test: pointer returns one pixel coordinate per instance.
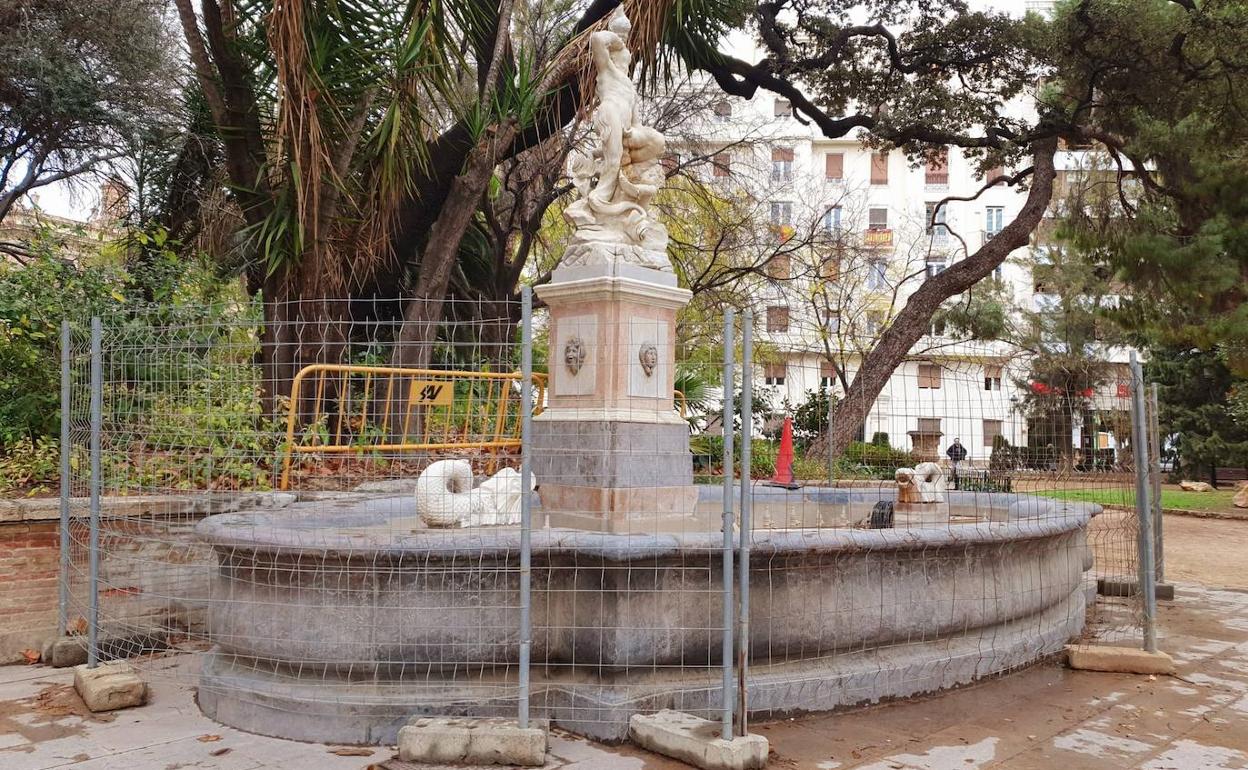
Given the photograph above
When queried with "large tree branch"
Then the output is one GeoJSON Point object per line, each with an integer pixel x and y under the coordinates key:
{"type": "Point", "coordinates": [912, 322]}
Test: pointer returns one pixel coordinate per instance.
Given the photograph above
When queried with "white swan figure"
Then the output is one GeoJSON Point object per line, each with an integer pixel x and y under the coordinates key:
{"type": "Point", "coordinates": [445, 496]}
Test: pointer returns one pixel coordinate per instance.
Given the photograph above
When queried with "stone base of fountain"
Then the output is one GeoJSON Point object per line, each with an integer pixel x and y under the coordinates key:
{"type": "Point", "coordinates": [340, 625]}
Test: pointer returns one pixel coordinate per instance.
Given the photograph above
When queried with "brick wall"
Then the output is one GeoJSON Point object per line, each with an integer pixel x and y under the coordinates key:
{"type": "Point", "coordinates": [28, 586]}
{"type": "Point", "coordinates": [153, 576]}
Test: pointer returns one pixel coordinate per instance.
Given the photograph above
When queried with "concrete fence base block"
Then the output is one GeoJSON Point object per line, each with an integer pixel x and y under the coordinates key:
{"type": "Point", "coordinates": [471, 741]}
{"type": "Point", "coordinates": [1119, 660]}
{"type": "Point", "coordinates": [65, 652]}
{"type": "Point", "coordinates": [109, 686]}
{"type": "Point", "coordinates": [696, 741]}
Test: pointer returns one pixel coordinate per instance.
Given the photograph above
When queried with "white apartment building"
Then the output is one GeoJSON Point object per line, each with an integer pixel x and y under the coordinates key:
{"type": "Point", "coordinates": [868, 216]}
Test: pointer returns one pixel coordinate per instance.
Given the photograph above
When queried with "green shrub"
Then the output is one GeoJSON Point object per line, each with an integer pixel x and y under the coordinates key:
{"type": "Point", "coordinates": [708, 455]}
{"type": "Point", "coordinates": [876, 461]}
{"type": "Point", "coordinates": [32, 464]}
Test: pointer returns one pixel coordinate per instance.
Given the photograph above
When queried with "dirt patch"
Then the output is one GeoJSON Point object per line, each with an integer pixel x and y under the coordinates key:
{"type": "Point", "coordinates": [54, 712]}
{"type": "Point", "coordinates": [1213, 552]}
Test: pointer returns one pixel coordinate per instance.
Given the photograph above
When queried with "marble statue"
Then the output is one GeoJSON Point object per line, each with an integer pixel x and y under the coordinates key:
{"type": "Point", "coordinates": [924, 483]}
{"type": "Point", "coordinates": [445, 496]}
{"type": "Point", "coordinates": [619, 178]}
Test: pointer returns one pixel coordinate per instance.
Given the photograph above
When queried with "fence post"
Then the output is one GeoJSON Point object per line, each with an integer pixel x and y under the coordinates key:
{"type": "Point", "coordinates": [729, 609]}
{"type": "Point", "coordinates": [1144, 512]}
{"type": "Point", "coordinates": [526, 503]}
{"type": "Point", "coordinates": [97, 419]}
{"type": "Point", "coordinates": [62, 600]}
{"type": "Point", "coordinates": [1154, 431]}
{"type": "Point", "coordinates": [747, 503]}
{"type": "Point", "coordinates": [831, 456]}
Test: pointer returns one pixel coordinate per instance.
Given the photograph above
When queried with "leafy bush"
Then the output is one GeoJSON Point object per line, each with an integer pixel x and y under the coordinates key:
{"type": "Point", "coordinates": [811, 417]}
{"type": "Point", "coordinates": [32, 464]}
{"type": "Point", "coordinates": [878, 461]}
{"type": "Point", "coordinates": [708, 454]}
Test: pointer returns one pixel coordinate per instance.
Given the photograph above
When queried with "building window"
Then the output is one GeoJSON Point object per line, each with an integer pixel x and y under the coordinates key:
{"type": "Point", "coordinates": [877, 275]}
{"type": "Point", "coordinates": [721, 164]}
{"type": "Point", "coordinates": [723, 111]}
{"type": "Point", "coordinates": [935, 266]}
{"type": "Point", "coordinates": [774, 374]}
{"type": "Point", "coordinates": [936, 230]}
{"type": "Point", "coordinates": [830, 270]}
{"type": "Point", "coordinates": [827, 374]}
{"type": "Point", "coordinates": [879, 168]}
{"type": "Point", "coordinates": [832, 220]}
{"type": "Point", "coordinates": [877, 218]}
{"type": "Point", "coordinates": [779, 266]}
{"type": "Point", "coordinates": [993, 218]}
{"type": "Point", "coordinates": [992, 429]}
{"type": "Point", "coordinates": [834, 165]}
{"type": "Point", "coordinates": [994, 173]}
{"type": "Point", "coordinates": [781, 213]}
{"type": "Point", "coordinates": [929, 376]}
{"type": "Point", "coordinates": [781, 164]}
{"type": "Point", "coordinates": [783, 108]}
{"type": "Point", "coordinates": [777, 319]}
{"type": "Point", "coordinates": [992, 378]}
{"type": "Point", "coordinates": [936, 173]}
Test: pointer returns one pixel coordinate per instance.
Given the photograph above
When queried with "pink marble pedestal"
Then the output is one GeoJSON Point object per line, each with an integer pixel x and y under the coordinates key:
{"type": "Point", "coordinates": [610, 452]}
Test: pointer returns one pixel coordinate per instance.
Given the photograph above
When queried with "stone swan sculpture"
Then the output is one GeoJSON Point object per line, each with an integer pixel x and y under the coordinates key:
{"type": "Point", "coordinates": [924, 483]}
{"type": "Point", "coordinates": [445, 496]}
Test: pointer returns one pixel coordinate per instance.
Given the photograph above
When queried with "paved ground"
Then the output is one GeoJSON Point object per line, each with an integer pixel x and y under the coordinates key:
{"type": "Point", "coordinates": [1043, 717]}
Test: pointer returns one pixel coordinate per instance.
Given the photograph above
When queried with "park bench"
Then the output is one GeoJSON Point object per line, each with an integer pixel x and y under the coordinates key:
{"type": "Point", "coordinates": [1229, 475]}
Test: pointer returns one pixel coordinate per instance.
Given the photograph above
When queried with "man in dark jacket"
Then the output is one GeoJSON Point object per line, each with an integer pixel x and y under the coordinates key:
{"type": "Point", "coordinates": [956, 453]}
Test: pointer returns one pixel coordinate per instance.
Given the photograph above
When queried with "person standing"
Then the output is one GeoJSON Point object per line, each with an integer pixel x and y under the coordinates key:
{"type": "Point", "coordinates": [956, 453]}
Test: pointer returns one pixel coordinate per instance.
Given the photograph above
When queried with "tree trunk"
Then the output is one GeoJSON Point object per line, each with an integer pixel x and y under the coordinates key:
{"type": "Point", "coordinates": [914, 319]}
{"type": "Point", "coordinates": [418, 331]}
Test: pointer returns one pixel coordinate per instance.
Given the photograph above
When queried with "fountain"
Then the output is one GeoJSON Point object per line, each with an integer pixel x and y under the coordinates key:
{"type": "Point", "coordinates": [340, 620]}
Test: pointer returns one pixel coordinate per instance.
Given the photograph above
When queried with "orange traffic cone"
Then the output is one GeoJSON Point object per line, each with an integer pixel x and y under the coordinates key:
{"type": "Point", "coordinates": [784, 459]}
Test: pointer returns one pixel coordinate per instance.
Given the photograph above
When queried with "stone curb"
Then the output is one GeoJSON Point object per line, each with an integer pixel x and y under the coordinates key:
{"type": "Point", "coordinates": [49, 508]}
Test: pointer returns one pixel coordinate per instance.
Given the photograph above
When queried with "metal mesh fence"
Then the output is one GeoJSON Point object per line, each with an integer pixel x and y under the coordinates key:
{"type": "Point", "coordinates": [295, 510]}
{"type": "Point", "coordinates": [956, 525]}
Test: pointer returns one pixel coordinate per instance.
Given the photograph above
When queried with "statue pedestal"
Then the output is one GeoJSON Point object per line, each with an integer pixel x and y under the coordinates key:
{"type": "Point", "coordinates": [610, 452]}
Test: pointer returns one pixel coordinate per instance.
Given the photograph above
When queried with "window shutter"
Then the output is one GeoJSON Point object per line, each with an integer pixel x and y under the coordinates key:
{"type": "Point", "coordinates": [879, 168]}
{"type": "Point", "coordinates": [929, 376]}
{"type": "Point", "coordinates": [834, 165]}
{"type": "Point", "coordinates": [782, 154]}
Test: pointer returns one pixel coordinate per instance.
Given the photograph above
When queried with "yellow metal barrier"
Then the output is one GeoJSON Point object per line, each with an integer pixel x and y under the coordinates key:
{"type": "Point", "coordinates": [433, 409]}
{"type": "Point", "coordinates": [420, 410]}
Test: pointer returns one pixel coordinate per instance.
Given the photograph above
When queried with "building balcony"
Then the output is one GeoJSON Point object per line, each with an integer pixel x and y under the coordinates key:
{"type": "Point", "coordinates": [878, 237]}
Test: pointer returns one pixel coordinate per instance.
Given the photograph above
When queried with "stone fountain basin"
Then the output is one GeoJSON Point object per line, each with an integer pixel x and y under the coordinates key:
{"type": "Point", "coordinates": [365, 586]}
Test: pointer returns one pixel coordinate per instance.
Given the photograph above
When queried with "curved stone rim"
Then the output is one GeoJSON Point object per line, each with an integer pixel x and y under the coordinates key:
{"type": "Point", "coordinates": [285, 532]}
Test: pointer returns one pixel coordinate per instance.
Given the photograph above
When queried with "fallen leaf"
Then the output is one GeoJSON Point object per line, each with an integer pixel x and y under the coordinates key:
{"type": "Point", "coordinates": [31, 656]}
{"type": "Point", "coordinates": [220, 752]}
{"type": "Point", "coordinates": [208, 738]}
{"type": "Point", "coordinates": [352, 751]}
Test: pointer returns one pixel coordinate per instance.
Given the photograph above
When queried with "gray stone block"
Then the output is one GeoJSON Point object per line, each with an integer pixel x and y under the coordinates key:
{"type": "Point", "coordinates": [65, 652]}
{"type": "Point", "coordinates": [696, 741]}
{"type": "Point", "coordinates": [611, 454]}
{"type": "Point", "coordinates": [461, 740]}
